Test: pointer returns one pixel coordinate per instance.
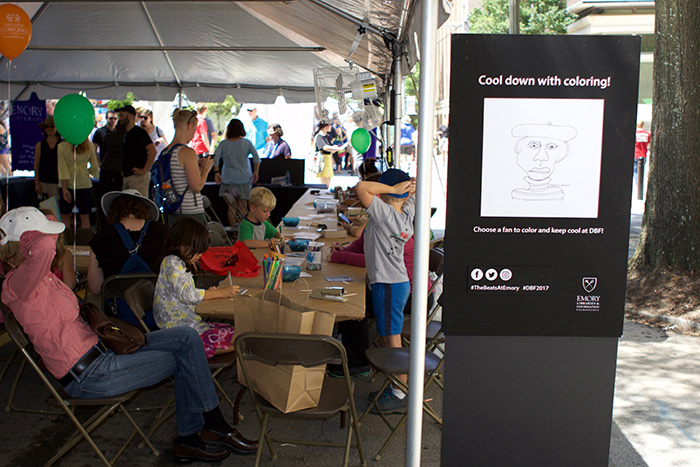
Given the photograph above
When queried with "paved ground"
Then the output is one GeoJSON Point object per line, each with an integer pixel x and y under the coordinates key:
{"type": "Point", "coordinates": [655, 416]}
{"type": "Point", "coordinates": [657, 399]}
{"type": "Point", "coordinates": [31, 439]}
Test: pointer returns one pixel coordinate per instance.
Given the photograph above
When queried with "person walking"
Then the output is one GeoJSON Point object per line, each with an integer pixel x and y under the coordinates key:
{"type": "Point", "coordinates": [232, 170]}
{"type": "Point", "coordinates": [323, 141]}
{"type": "Point", "coordinates": [256, 132]}
{"type": "Point", "coordinates": [201, 142]}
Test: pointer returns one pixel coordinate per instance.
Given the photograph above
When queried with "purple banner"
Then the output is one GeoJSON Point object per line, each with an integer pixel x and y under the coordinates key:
{"type": "Point", "coordinates": [25, 132]}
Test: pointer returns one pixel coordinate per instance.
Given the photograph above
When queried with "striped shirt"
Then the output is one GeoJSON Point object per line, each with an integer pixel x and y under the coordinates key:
{"type": "Point", "coordinates": [191, 203]}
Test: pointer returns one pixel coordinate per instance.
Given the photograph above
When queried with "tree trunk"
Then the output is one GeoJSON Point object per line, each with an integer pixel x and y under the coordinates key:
{"type": "Point", "coordinates": [670, 235]}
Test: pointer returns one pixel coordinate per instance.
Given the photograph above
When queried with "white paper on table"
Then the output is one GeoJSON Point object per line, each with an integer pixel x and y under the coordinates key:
{"type": "Point", "coordinates": [293, 261]}
{"type": "Point", "coordinates": [305, 274]}
{"type": "Point", "coordinates": [307, 235]}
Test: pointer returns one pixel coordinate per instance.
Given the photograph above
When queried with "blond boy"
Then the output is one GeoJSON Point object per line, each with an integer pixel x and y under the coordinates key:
{"type": "Point", "coordinates": [255, 229]}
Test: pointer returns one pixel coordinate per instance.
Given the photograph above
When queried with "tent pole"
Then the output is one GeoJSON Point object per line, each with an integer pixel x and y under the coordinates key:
{"type": "Point", "coordinates": [513, 17]}
{"type": "Point", "coordinates": [422, 230]}
{"type": "Point", "coordinates": [398, 90]}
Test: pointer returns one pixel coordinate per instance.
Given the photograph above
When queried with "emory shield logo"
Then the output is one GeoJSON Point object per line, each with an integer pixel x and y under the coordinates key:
{"type": "Point", "coordinates": [589, 283]}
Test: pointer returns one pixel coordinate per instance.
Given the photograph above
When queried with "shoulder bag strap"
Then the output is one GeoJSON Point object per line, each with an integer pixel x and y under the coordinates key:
{"type": "Point", "coordinates": [126, 239]}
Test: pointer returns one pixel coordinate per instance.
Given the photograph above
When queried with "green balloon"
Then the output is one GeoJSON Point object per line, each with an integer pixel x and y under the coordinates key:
{"type": "Point", "coordinates": [74, 117]}
{"type": "Point", "coordinates": [361, 140]}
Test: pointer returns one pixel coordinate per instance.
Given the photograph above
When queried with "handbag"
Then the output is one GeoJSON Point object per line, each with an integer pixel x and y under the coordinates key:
{"type": "Point", "coordinates": [119, 336]}
{"type": "Point", "coordinates": [317, 163]}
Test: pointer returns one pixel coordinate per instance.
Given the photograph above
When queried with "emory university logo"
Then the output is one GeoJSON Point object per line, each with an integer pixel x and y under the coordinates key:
{"type": "Point", "coordinates": [589, 283]}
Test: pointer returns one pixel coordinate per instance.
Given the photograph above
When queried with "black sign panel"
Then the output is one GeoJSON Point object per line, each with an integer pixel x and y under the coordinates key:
{"type": "Point", "coordinates": [539, 185]}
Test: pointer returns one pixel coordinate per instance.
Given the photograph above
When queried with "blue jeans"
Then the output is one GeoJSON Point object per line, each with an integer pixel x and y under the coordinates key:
{"type": "Point", "coordinates": [176, 351]}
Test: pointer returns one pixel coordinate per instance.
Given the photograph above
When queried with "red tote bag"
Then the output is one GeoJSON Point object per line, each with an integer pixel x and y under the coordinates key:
{"type": "Point", "coordinates": [236, 259]}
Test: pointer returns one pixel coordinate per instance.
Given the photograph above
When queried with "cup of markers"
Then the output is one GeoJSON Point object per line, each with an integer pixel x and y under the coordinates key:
{"type": "Point", "coordinates": [314, 252]}
{"type": "Point", "coordinates": [276, 249]}
{"type": "Point", "coordinates": [272, 272]}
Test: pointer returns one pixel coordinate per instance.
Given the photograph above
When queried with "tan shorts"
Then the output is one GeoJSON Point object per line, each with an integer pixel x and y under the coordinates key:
{"type": "Point", "coordinates": [137, 182]}
{"type": "Point", "coordinates": [49, 189]}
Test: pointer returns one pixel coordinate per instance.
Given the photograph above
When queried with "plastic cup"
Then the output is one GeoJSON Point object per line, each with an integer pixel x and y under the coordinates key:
{"type": "Point", "coordinates": [314, 256]}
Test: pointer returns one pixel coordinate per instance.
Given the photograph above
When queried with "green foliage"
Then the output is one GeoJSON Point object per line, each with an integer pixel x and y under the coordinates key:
{"type": "Point", "coordinates": [221, 112]}
{"type": "Point", "coordinates": [112, 104]}
{"type": "Point", "coordinates": [411, 89]}
{"type": "Point", "coordinates": [536, 17]}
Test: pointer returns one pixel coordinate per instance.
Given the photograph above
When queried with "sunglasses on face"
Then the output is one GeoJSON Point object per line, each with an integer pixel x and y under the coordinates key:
{"type": "Point", "coordinates": [50, 127]}
{"type": "Point", "coordinates": [145, 117]}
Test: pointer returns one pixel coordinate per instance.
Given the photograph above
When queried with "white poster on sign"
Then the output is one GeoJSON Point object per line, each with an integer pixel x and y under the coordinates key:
{"type": "Point", "coordinates": [541, 157]}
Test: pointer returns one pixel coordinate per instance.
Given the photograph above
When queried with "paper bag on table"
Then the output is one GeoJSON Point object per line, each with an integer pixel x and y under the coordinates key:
{"type": "Point", "coordinates": [287, 387]}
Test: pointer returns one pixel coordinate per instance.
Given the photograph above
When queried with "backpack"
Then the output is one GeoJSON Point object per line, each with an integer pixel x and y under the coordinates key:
{"type": "Point", "coordinates": [164, 194]}
{"type": "Point", "coordinates": [134, 264]}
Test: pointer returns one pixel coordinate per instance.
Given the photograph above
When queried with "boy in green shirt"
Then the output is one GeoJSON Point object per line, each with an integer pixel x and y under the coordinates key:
{"type": "Point", "coordinates": [255, 229]}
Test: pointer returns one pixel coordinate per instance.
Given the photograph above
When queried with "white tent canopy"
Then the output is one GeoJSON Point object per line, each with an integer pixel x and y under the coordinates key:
{"type": "Point", "coordinates": [253, 50]}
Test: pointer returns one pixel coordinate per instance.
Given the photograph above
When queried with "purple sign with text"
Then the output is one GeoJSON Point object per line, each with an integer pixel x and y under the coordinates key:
{"type": "Point", "coordinates": [25, 132]}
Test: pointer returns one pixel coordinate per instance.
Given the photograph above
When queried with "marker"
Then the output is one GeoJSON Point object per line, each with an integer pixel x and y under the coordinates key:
{"type": "Point", "coordinates": [230, 282]}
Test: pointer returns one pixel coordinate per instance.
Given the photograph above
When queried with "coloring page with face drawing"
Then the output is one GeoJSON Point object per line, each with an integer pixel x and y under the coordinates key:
{"type": "Point", "coordinates": [541, 157]}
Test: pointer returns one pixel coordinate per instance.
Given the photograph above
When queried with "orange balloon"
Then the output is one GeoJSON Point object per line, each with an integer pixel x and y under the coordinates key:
{"type": "Point", "coordinates": [15, 30]}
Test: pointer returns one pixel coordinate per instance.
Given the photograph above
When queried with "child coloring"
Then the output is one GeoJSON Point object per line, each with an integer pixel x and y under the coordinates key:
{"type": "Point", "coordinates": [255, 229]}
{"type": "Point", "coordinates": [176, 296]}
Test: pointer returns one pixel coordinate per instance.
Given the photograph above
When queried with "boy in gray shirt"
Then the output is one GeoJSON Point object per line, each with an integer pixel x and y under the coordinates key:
{"type": "Point", "coordinates": [390, 226]}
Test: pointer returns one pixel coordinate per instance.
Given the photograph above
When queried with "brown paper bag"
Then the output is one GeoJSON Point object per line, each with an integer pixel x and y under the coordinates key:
{"type": "Point", "coordinates": [287, 387]}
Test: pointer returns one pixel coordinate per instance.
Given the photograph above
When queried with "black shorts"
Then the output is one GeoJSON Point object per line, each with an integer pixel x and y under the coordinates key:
{"type": "Point", "coordinates": [407, 149]}
{"type": "Point", "coordinates": [83, 196]}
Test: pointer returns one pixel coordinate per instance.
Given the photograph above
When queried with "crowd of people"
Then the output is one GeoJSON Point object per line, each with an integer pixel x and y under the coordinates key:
{"type": "Point", "coordinates": [135, 238]}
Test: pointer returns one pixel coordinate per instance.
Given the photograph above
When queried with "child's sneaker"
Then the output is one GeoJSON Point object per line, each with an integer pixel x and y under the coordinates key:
{"type": "Point", "coordinates": [373, 394]}
{"type": "Point", "coordinates": [336, 371]}
{"type": "Point", "coordinates": [389, 403]}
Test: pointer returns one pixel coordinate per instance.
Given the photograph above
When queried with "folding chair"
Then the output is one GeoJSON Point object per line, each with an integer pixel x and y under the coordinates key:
{"type": "Point", "coordinates": [139, 297]}
{"type": "Point", "coordinates": [238, 212]}
{"type": "Point", "coordinates": [392, 362]}
{"type": "Point", "coordinates": [10, 405]}
{"type": "Point", "coordinates": [115, 286]}
{"type": "Point", "coordinates": [308, 351]}
{"type": "Point", "coordinates": [209, 209]}
{"type": "Point", "coordinates": [108, 405]}
{"type": "Point", "coordinates": [10, 359]}
{"type": "Point", "coordinates": [218, 234]}
{"type": "Point", "coordinates": [433, 328]}
{"type": "Point", "coordinates": [436, 261]}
